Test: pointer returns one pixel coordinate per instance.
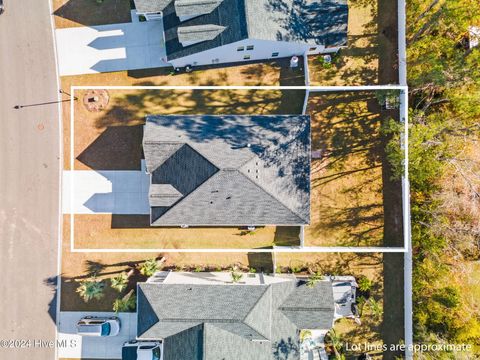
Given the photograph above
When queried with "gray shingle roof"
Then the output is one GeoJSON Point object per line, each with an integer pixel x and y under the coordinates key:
{"type": "Point", "coordinates": [321, 22]}
{"type": "Point", "coordinates": [314, 22]}
{"type": "Point", "coordinates": [219, 321]}
{"type": "Point", "coordinates": [179, 307]}
{"type": "Point", "coordinates": [229, 14]}
{"type": "Point", "coordinates": [196, 33]}
{"type": "Point", "coordinates": [229, 170]}
{"type": "Point", "coordinates": [185, 8]}
{"type": "Point", "coordinates": [151, 6]}
{"type": "Point", "coordinates": [308, 308]}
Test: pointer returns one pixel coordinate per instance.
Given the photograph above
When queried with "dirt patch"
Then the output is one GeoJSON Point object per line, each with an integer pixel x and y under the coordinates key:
{"type": "Point", "coordinates": [95, 100]}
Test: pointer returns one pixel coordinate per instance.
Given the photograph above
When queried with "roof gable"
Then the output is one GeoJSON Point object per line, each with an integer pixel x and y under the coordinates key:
{"type": "Point", "coordinates": [189, 35]}
{"type": "Point", "coordinates": [151, 6]}
{"type": "Point", "coordinates": [191, 8]}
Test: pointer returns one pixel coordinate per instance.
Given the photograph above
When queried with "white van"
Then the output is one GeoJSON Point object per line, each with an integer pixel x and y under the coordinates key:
{"type": "Point", "coordinates": [98, 326]}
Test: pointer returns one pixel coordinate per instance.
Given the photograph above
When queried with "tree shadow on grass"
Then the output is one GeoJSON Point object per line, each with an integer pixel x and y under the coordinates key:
{"type": "Point", "coordinates": [117, 148]}
{"type": "Point", "coordinates": [261, 262]}
{"type": "Point", "coordinates": [353, 166]}
{"type": "Point", "coordinates": [91, 13]}
{"type": "Point", "coordinates": [287, 236]}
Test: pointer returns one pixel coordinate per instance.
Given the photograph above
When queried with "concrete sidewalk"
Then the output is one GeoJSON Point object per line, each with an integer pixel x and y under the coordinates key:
{"type": "Point", "coordinates": [106, 48]}
{"type": "Point", "coordinates": [73, 346]}
{"type": "Point", "coordinates": [105, 192]}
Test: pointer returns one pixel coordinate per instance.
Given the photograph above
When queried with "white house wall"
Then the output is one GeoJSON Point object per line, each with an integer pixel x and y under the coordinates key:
{"type": "Point", "coordinates": [263, 49]}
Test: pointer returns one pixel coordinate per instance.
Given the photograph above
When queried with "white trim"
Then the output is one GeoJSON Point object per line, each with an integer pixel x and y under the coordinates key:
{"type": "Point", "coordinates": [276, 249]}
{"type": "Point", "coordinates": [306, 70]}
{"type": "Point", "coordinates": [276, 87]}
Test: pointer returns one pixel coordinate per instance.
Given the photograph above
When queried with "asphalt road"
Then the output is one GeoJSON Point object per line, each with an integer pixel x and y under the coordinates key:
{"type": "Point", "coordinates": [29, 166]}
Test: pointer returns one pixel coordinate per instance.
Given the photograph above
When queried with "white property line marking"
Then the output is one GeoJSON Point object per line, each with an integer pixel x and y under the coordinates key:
{"type": "Point", "coordinates": [276, 87]}
{"type": "Point", "coordinates": [308, 249]}
{"type": "Point", "coordinates": [293, 249]}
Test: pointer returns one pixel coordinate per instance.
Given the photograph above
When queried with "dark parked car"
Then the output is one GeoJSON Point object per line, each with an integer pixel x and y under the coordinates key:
{"type": "Point", "coordinates": [2, 7]}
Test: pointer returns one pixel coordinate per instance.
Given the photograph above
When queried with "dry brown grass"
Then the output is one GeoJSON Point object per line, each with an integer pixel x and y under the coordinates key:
{"type": "Point", "coordinates": [75, 13]}
{"type": "Point", "coordinates": [346, 182]}
{"type": "Point", "coordinates": [96, 232]}
{"type": "Point", "coordinates": [269, 73]}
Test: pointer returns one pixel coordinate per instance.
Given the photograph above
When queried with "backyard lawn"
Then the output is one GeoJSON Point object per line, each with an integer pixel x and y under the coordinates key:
{"type": "Point", "coordinates": [348, 196]}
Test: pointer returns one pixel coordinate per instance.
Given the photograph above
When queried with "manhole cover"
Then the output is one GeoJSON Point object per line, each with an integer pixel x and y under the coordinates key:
{"type": "Point", "coordinates": [96, 100]}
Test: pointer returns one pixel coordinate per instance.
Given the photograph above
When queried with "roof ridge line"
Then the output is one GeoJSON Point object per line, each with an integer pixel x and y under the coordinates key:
{"type": "Point", "coordinates": [263, 293]}
{"type": "Point", "coordinates": [269, 287]}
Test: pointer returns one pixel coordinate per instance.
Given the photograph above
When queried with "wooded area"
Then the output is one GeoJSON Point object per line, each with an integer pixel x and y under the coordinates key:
{"type": "Point", "coordinates": [444, 80]}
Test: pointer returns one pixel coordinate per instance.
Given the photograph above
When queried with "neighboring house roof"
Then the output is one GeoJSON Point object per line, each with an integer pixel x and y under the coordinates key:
{"type": "Point", "coordinates": [232, 321]}
{"type": "Point", "coordinates": [229, 14]}
{"type": "Point", "coordinates": [228, 170]}
{"type": "Point", "coordinates": [315, 22]}
{"type": "Point", "coordinates": [322, 22]}
{"type": "Point", "coordinates": [151, 6]}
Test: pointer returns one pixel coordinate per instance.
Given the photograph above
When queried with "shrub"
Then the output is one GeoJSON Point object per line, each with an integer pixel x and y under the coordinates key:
{"type": "Point", "coordinates": [125, 304]}
{"type": "Point", "coordinates": [236, 277]}
{"type": "Point", "coordinates": [312, 280]}
{"type": "Point", "coordinates": [365, 284]}
{"type": "Point", "coordinates": [91, 289]}
{"type": "Point", "coordinates": [119, 282]}
{"type": "Point", "coordinates": [149, 267]}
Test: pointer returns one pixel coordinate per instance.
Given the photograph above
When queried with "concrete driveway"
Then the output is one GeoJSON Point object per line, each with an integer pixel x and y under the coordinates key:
{"type": "Point", "coordinates": [106, 48]}
{"type": "Point", "coordinates": [73, 346]}
{"type": "Point", "coordinates": [106, 192]}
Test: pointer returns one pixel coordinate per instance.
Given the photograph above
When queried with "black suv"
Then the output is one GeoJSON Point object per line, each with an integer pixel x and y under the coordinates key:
{"type": "Point", "coordinates": [2, 8]}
